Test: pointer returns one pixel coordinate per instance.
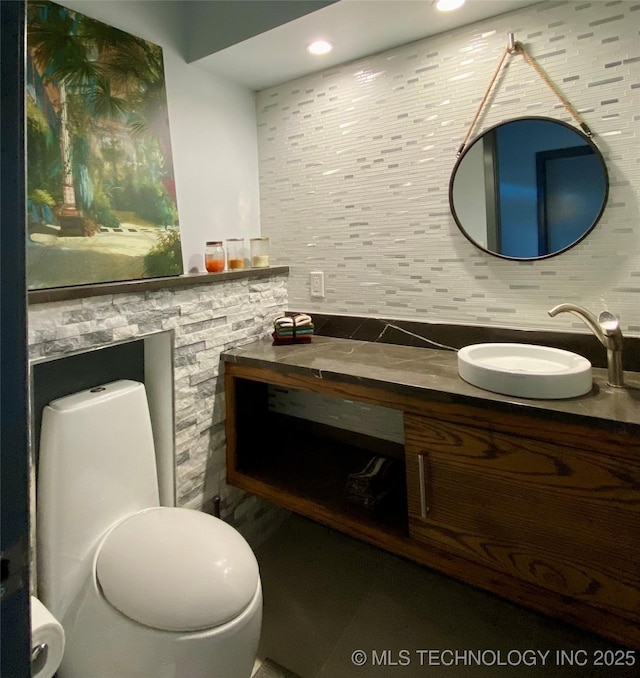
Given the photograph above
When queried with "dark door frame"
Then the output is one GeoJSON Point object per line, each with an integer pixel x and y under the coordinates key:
{"type": "Point", "coordinates": [542, 158]}
{"type": "Point", "coordinates": [15, 623]}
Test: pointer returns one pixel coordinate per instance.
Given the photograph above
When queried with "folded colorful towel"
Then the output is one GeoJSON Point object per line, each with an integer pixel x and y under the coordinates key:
{"type": "Point", "coordinates": [295, 320]}
{"type": "Point", "coordinates": [282, 341]}
{"type": "Point", "coordinates": [296, 328]}
{"type": "Point", "coordinates": [295, 332]}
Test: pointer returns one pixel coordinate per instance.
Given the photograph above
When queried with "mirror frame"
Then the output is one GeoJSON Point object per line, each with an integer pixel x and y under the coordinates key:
{"type": "Point", "coordinates": [587, 231]}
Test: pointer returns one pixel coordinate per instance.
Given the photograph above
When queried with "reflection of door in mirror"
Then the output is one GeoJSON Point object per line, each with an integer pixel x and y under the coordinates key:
{"type": "Point", "coordinates": [528, 188]}
{"type": "Point", "coordinates": [518, 147]}
{"type": "Point", "coordinates": [569, 188]}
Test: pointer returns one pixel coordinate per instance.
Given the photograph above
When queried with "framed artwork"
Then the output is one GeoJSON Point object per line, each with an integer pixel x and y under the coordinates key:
{"type": "Point", "coordinates": [101, 200]}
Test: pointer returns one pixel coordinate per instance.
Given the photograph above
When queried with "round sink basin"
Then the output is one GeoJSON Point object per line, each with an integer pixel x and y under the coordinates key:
{"type": "Point", "coordinates": [525, 370]}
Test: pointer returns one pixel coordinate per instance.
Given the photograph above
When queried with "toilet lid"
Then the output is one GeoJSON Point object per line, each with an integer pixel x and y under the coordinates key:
{"type": "Point", "coordinates": [177, 570]}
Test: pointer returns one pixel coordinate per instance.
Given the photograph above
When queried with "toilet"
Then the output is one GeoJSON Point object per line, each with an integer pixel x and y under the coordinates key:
{"type": "Point", "coordinates": [141, 590]}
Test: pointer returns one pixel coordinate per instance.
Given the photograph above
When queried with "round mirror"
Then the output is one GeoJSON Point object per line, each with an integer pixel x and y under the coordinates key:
{"type": "Point", "coordinates": [528, 188]}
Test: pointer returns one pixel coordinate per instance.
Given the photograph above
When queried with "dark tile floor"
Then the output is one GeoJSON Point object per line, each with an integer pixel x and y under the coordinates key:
{"type": "Point", "coordinates": [332, 603]}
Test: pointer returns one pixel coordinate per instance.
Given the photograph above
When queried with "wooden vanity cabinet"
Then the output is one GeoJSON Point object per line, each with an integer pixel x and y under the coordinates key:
{"type": "Point", "coordinates": [541, 512]}
{"type": "Point", "coordinates": [557, 508]}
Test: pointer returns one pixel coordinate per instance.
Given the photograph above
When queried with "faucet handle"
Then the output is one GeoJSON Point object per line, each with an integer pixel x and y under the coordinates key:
{"type": "Point", "coordinates": [611, 329]}
{"type": "Point", "coordinates": [609, 323]}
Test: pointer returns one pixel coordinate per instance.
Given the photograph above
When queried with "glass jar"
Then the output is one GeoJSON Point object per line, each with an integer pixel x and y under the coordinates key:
{"type": "Point", "coordinates": [214, 256]}
{"type": "Point", "coordinates": [259, 252]}
{"type": "Point", "coordinates": [235, 253]}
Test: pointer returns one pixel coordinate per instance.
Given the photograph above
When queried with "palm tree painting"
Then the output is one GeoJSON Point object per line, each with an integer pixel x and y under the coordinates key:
{"type": "Point", "coordinates": [101, 200]}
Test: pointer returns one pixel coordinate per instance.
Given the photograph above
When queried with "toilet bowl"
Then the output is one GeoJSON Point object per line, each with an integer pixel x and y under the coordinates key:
{"type": "Point", "coordinates": [141, 590]}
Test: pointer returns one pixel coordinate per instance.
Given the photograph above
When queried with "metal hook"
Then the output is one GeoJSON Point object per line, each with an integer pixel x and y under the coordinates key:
{"type": "Point", "coordinates": [512, 45]}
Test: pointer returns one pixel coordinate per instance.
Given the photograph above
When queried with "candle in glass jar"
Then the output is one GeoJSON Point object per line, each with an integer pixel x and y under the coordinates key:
{"type": "Point", "coordinates": [235, 253]}
{"type": "Point", "coordinates": [259, 252]}
{"type": "Point", "coordinates": [214, 257]}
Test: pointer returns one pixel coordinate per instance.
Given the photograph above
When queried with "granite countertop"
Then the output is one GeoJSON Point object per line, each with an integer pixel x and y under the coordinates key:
{"type": "Point", "coordinates": [432, 373]}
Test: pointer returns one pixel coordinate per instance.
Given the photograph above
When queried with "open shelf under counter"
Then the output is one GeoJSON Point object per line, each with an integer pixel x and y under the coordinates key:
{"type": "Point", "coordinates": [304, 465]}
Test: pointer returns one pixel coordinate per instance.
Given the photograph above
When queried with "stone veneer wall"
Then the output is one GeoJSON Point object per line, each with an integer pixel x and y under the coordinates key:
{"type": "Point", "coordinates": [206, 319]}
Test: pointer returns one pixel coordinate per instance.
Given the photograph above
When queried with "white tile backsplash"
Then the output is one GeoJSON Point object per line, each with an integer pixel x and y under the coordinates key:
{"type": "Point", "coordinates": [355, 164]}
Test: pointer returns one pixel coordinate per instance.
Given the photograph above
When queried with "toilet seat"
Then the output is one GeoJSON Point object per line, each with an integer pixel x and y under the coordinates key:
{"type": "Point", "coordinates": [177, 569]}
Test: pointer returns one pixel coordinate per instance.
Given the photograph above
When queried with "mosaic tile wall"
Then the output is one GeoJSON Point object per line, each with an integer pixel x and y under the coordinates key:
{"type": "Point", "coordinates": [372, 420]}
{"type": "Point", "coordinates": [355, 163]}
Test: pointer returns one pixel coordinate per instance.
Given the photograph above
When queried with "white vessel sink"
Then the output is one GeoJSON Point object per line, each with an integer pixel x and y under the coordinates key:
{"type": "Point", "coordinates": [525, 370]}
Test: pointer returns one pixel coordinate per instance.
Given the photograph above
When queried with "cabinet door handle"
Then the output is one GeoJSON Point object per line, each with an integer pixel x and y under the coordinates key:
{"type": "Point", "coordinates": [424, 504]}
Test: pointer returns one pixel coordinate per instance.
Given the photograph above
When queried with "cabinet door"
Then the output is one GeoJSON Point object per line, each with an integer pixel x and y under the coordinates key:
{"type": "Point", "coordinates": [561, 518]}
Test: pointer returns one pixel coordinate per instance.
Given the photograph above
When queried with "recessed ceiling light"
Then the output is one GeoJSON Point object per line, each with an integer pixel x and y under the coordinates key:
{"type": "Point", "coordinates": [319, 47]}
{"type": "Point", "coordinates": [448, 5]}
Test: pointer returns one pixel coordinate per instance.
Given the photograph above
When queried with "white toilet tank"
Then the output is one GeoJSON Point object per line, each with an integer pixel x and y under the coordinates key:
{"type": "Point", "coordinates": [96, 466]}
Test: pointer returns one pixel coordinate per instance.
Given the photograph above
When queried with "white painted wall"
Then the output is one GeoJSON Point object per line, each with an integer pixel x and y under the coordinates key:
{"type": "Point", "coordinates": [212, 26]}
{"type": "Point", "coordinates": [213, 129]}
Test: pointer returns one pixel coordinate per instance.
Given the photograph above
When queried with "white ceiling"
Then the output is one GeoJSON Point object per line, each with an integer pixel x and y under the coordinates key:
{"type": "Point", "coordinates": [358, 28]}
